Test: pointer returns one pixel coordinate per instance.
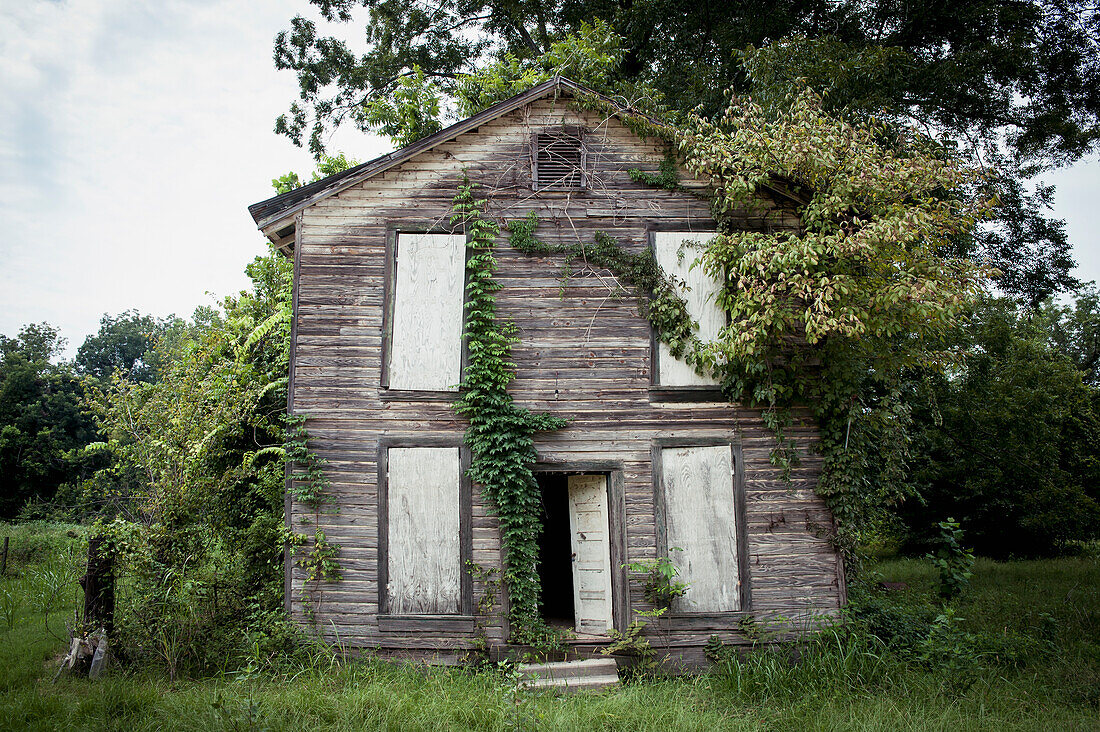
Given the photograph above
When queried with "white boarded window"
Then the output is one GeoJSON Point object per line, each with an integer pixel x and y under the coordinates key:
{"type": "Point", "coordinates": [426, 329]}
{"type": "Point", "coordinates": [423, 543]}
{"type": "Point", "coordinates": [700, 519]}
{"type": "Point", "coordinates": [701, 301]}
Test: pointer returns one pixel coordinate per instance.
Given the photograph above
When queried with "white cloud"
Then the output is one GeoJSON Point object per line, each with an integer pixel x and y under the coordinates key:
{"type": "Point", "coordinates": [132, 138]}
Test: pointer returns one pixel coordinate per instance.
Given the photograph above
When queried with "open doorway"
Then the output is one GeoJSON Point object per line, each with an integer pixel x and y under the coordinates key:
{"type": "Point", "coordinates": [575, 552]}
{"type": "Point", "coordinates": [555, 552]}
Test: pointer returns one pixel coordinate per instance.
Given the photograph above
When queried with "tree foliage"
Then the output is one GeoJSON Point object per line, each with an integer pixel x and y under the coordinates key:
{"type": "Point", "coordinates": [1075, 331]}
{"type": "Point", "coordinates": [1027, 68]}
{"type": "Point", "coordinates": [197, 478]}
{"type": "Point", "coordinates": [833, 315]}
{"type": "Point", "coordinates": [1011, 441]}
{"type": "Point", "coordinates": [999, 75]}
{"type": "Point", "coordinates": [125, 342]}
{"type": "Point", "coordinates": [42, 425]}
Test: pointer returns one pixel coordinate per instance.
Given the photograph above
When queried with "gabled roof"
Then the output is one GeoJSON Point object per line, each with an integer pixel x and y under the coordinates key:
{"type": "Point", "coordinates": [274, 217]}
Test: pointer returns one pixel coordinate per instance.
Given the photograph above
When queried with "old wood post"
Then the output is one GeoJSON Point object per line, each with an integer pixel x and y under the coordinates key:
{"type": "Point", "coordinates": [99, 584]}
{"type": "Point", "coordinates": [4, 557]}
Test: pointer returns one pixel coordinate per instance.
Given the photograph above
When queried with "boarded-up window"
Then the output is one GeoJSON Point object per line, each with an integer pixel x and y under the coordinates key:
{"type": "Point", "coordinates": [426, 324]}
{"type": "Point", "coordinates": [558, 160]}
{"type": "Point", "coordinates": [675, 257]}
{"type": "Point", "coordinates": [423, 543]}
{"type": "Point", "coordinates": [700, 520]}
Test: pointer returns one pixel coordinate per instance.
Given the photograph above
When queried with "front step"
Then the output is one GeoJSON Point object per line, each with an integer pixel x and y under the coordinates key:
{"type": "Point", "coordinates": [591, 673]}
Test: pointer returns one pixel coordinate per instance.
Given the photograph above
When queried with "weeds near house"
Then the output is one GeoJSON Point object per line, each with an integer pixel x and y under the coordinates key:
{"type": "Point", "coordinates": [1021, 651]}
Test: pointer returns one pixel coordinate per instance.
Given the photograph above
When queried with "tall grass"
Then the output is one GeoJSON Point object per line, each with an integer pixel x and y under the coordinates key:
{"type": "Point", "coordinates": [1029, 633]}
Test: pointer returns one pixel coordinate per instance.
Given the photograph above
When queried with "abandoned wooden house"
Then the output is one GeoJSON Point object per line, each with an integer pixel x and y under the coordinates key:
{"type": "Point", "coordinates": [654, 462]}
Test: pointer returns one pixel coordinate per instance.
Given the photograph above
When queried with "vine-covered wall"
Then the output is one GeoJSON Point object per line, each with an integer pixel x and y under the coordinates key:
{"type": "Point", "coordinates": [583, 354]}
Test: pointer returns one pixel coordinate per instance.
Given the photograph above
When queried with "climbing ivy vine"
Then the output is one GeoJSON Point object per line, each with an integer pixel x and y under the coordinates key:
{"type": "Point", "coordinates": [309, 485]}
{"type": "Point", "coordinates": [660, 303]}
{"type": "Point", "coordinates": [500, 434]}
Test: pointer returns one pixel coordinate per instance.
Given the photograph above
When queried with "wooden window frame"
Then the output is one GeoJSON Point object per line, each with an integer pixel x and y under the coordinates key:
{"type": "Point", "coordinates": [739, 509]}
{"type": "Point", "coordinates": [465, 523]}
{"type": "Point", "coordinates": [616, 527]}
{"type": "Point", "coordinates": [659, 392]}
{"type": "Point", "coordinates": [580, 133]}
{"type": "Point", "coordinates": [389, 292]}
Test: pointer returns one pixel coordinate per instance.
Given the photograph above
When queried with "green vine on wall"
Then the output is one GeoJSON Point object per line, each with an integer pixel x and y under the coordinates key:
{"type": "Point", "coordinates": [666, 177]}
{"type": "Point", "coordinates": [660, 303]}
{"type": "Point", "coordinates": [309, 485]}
{"type": "Point", "coordinates": [500, 435]}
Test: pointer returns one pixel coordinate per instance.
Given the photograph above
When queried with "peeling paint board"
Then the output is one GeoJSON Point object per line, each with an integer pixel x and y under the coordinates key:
{"type": "Point", "coordinates": [426, 351]}
{"type": "Point", "coordinates": [423, 514]}
{"type": "Point", "coordinates": [701, 520]}
{"type": "Point", "coordinates": [589, 529]}
{"type": "Point", "coordinates": [700, 297]}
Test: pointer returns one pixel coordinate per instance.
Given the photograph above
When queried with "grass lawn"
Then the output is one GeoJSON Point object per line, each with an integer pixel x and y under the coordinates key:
{"type": "Point", "coordinates": [1022, 652]}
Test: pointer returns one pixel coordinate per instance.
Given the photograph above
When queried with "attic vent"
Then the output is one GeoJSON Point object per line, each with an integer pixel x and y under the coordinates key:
{"type": "Point", "coordinates": [558, 160]}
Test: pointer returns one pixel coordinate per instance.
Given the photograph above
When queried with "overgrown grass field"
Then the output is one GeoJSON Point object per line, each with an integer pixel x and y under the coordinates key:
{"type": "Point", "coordinates": [1020, 652]}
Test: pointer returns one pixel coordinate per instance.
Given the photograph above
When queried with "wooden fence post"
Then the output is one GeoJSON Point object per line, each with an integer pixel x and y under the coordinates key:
{"type": "Point", "coordinates": [99, 585]}
{"type": "Point", "coordinates": [4, 558]}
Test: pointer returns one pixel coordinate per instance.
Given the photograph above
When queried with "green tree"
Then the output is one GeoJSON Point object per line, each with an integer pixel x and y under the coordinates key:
{"type": "Point", "coordinates": [1025, 72]}
{"type": "Point", "coordinates": [196, 483]}
{"type": "Point", "coordinates": [197, 476]}
{"type": "Point", "coordinates": [837, 314]}
{"type": "Point", "coordinates": [1011, 442]}
{"type": "Point", "coordinates": [1024, 67]}
{"type": "Point", "coordinates": [41, 422]}
{"type": "Point", "coordinates": [1075, 331]}
{"type": "Point", "coordinates": [124, 342]}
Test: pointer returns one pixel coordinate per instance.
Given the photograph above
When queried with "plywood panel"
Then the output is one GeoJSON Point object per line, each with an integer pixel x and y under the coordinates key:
{"type": "Point", "coordinates": [423, 515]}
{"type": "Point", "coordinates": [588, 525]}
{"type": "Point", "coordinates": [676, 258]}
{"type": "Point", "coordinates": [701, 520]}
{"type": "Point", "coordinates": [426, 349]}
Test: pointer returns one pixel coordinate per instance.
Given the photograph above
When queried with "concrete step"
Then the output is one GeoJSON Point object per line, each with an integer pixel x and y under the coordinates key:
{"type": "Point", "coordinates": [569, 669]}
{"type": "Point", "coordinates": [584, 683]}
{"type": "Point", "coordinates": [590, 673]}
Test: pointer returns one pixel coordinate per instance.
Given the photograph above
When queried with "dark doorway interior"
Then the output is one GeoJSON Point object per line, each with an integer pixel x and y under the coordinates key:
{"type": "Point", "coordinates": [556, 551]}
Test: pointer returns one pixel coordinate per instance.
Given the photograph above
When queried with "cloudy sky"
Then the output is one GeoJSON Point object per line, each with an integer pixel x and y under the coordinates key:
{"type": "Point", "coordinates": [133, 135]}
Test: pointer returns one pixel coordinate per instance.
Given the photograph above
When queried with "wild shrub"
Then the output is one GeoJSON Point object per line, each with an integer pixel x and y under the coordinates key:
{"type": "Point", "coordinates": [953, 562]}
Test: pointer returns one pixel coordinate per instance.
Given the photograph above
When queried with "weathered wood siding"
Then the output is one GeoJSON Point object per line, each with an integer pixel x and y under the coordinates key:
{"type": "Point", "coordinates": [584, 354]}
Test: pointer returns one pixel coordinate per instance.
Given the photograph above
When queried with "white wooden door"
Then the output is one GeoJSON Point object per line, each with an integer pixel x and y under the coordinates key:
{"type": "Point", "coordinates": [588, 525]}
